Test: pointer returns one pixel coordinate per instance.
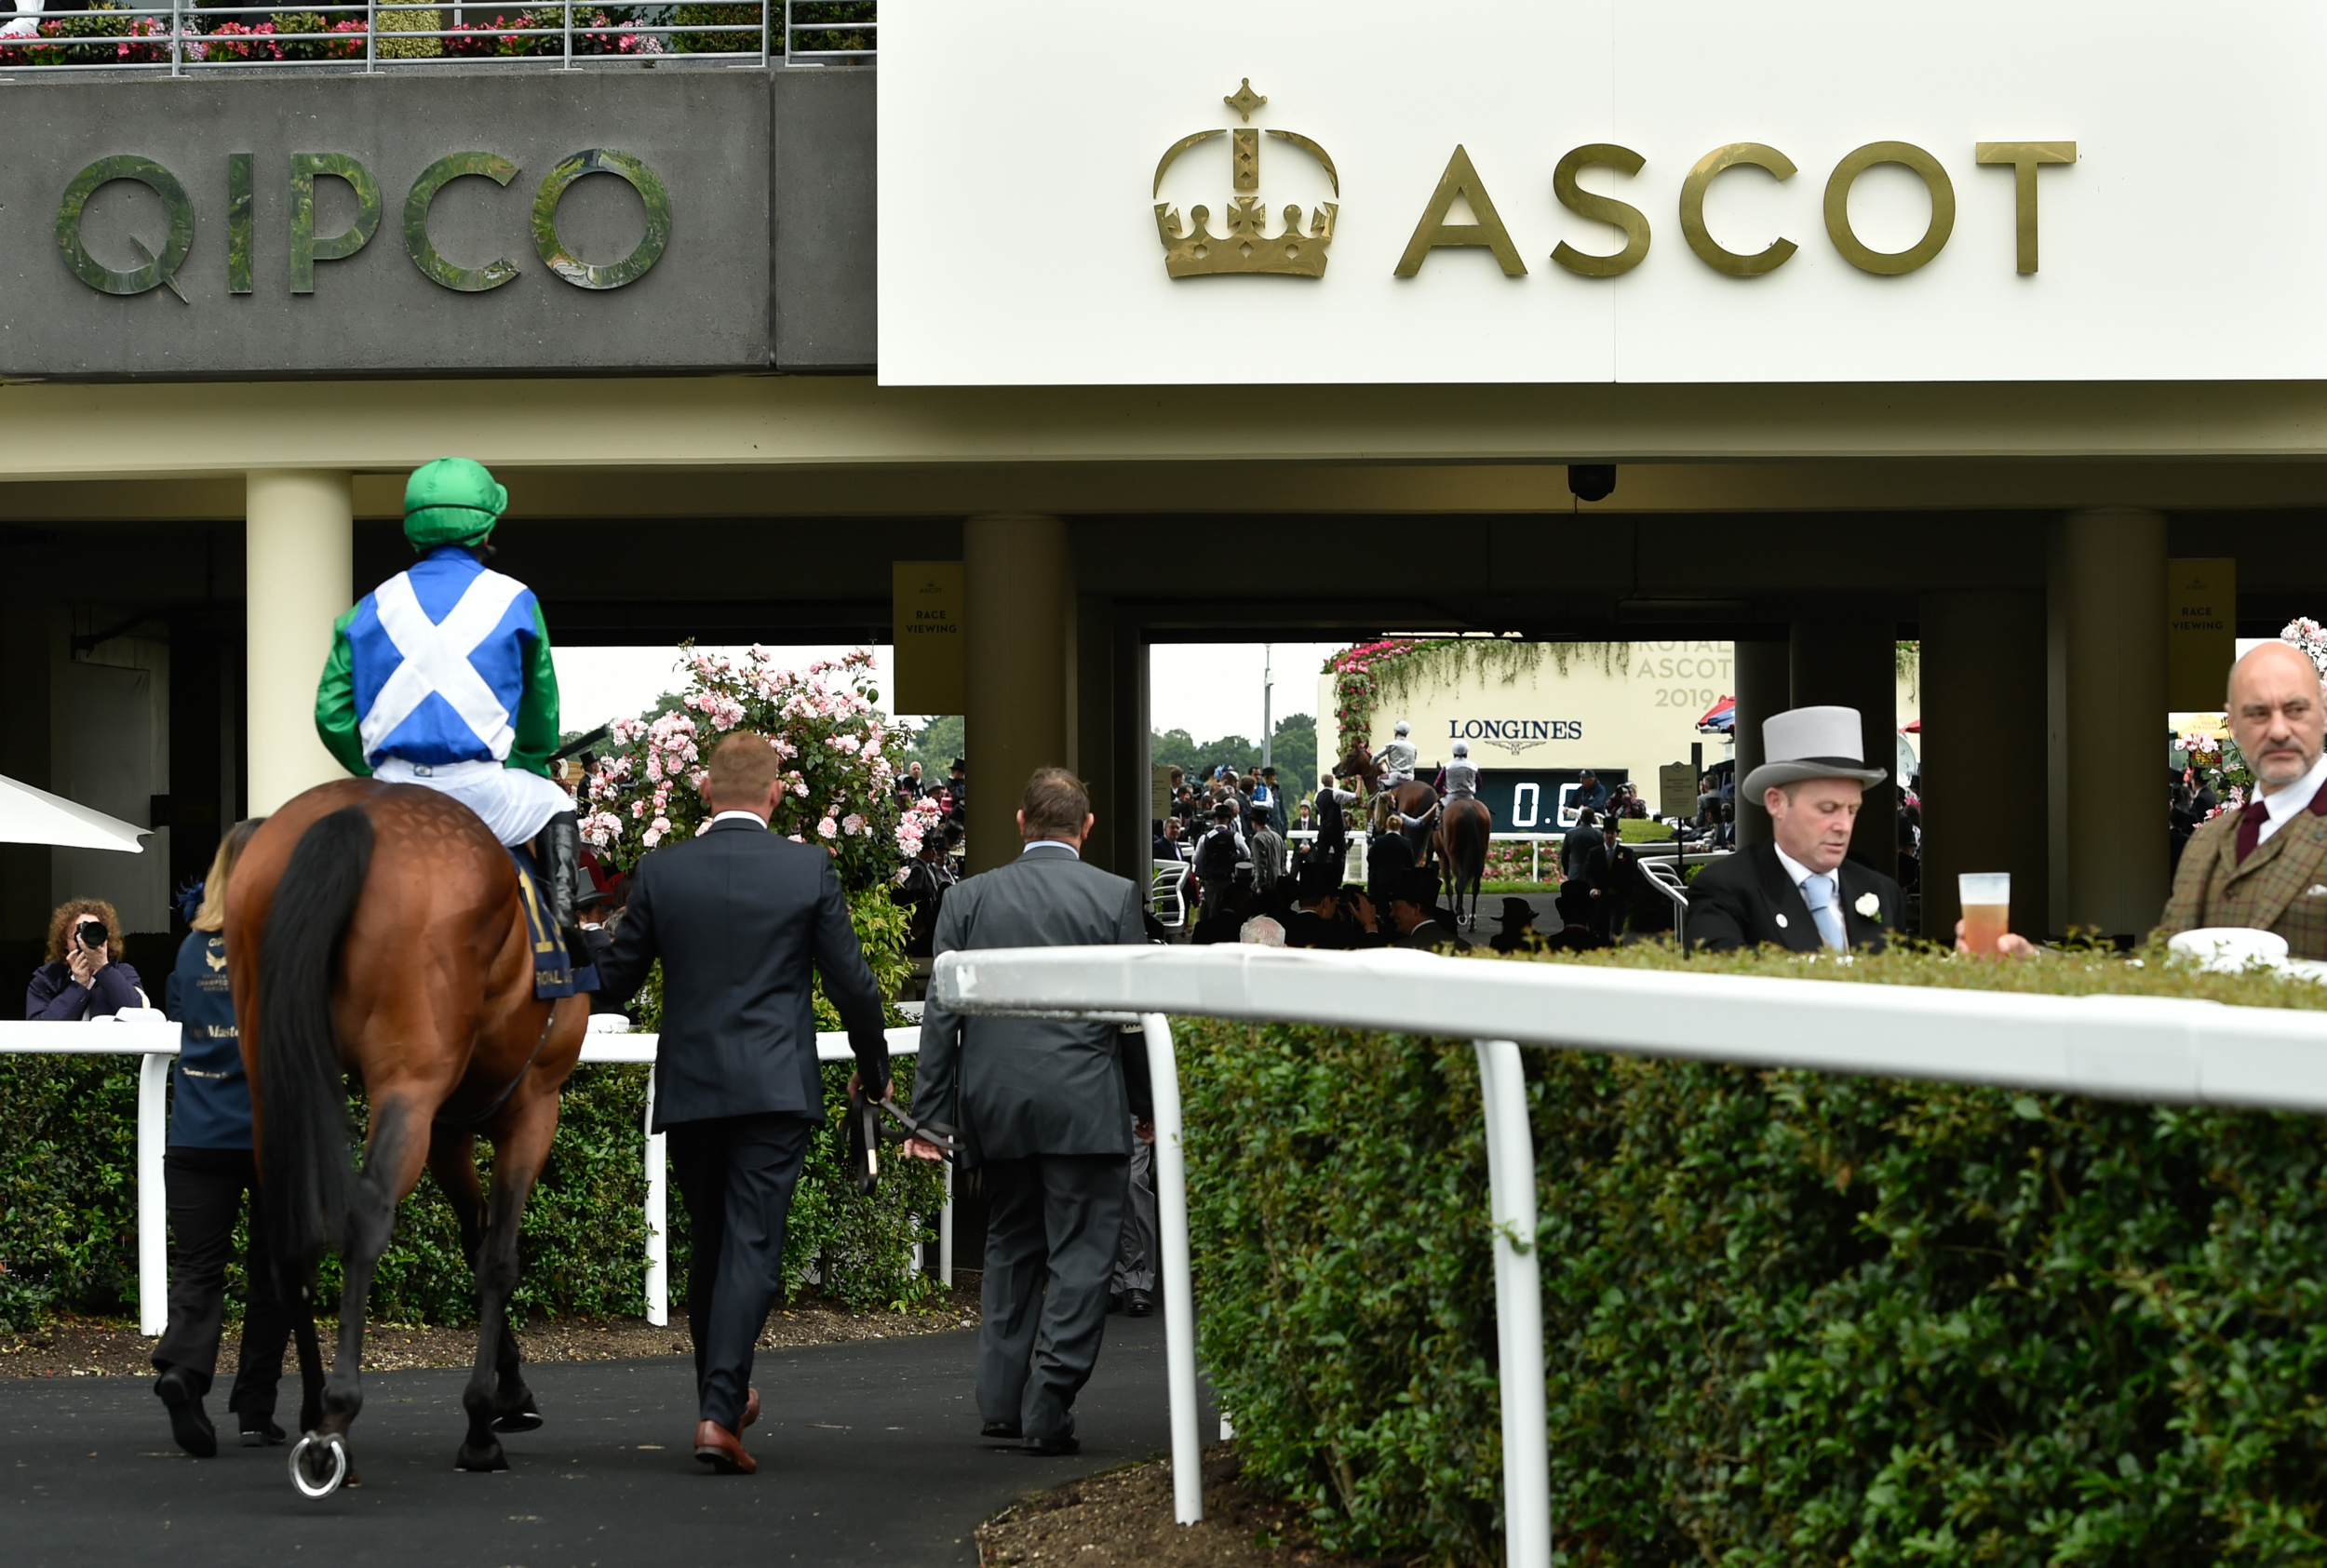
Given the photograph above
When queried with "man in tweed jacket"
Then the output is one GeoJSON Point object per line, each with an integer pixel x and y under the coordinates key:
{"type": "Point", "coordinates": [2265, 863]}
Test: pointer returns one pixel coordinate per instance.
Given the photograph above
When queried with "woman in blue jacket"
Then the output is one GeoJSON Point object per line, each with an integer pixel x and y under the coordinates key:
{"type": "Point", "coordinates": [209, 1168]}
{"type": "Point", "coordinates": [84, 976]}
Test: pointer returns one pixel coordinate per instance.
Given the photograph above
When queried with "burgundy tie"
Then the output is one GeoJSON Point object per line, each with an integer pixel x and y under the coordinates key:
{"type": "Point", "coordinates": [2251, 828]}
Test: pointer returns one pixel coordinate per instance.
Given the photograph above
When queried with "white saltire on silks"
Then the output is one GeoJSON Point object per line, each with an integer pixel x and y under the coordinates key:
{"type": "Point", "coordinates": [435, 658]}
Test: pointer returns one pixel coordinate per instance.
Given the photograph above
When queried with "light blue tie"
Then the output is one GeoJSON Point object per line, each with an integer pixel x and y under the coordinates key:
{"type": "Point", "coordinates": [1818, 892]}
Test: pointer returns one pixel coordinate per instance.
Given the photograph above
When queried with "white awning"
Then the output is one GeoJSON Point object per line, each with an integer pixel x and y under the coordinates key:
{"type": "Point", "coordinates": [34, 816]}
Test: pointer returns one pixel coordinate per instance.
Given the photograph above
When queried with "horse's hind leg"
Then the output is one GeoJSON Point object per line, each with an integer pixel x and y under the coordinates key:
{"type": "Point", "coordinates": [453, 1158]}
{"type": "Point", "coordinates": [520, 1151]}
{"type": "Point", "coordinates": [392, 1160]}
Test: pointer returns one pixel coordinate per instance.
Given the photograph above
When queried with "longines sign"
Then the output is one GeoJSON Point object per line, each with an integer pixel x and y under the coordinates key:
{"type": "Point", "coordinates": [1505, 190]}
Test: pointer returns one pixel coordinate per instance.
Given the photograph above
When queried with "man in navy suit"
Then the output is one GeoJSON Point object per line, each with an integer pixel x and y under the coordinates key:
{"type": "Point", "coordinates": [743, 920]}
{"type": "Point", "coordinates": [1800, 893]}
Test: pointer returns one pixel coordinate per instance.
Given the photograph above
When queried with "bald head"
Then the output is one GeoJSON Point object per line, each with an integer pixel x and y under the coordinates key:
{"type": "Point", "coordinates": [2276, 714]}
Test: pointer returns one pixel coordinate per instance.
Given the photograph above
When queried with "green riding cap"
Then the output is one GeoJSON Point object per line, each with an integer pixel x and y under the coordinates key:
{"type": "Point", "coordinates": [452, 500]}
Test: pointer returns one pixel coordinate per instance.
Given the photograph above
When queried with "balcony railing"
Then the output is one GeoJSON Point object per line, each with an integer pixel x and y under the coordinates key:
{"type": "Point", "coordinates": [182, 38]}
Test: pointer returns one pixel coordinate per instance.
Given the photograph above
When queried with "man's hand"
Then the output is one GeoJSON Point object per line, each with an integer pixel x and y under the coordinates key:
{"type": "Point", "coordinates": [856, 1085]}
{"type": "Point", "coordinates": [1143, 1129]}
{"type": "Point", "coordinates": [84, 963]}
{"type": "Point", "coordinates": [916, 1149]}
{"type": "Point", "coordinates": [2012, 944]}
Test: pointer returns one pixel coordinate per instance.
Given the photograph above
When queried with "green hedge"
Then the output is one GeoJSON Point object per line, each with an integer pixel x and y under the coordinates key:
{"type": "Point", "coordinates": [68, 1207]}
{"type": "Point", "coordinates": [1789, 1318]}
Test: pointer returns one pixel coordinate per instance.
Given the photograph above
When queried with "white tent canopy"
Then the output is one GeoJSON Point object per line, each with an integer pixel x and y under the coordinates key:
{"type": "Point", "coordinates": [34, 816]}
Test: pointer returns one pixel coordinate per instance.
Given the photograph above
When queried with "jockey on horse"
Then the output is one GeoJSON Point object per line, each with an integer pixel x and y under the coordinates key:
{"type": "Point", "coordinates": [441, 677]}
{"type": "Point", "coordinates": [1465, 827]}
{"type": "Point", "coordinates": [378, 927]}
{"type": "Point", "coordinates": [1392, 779]}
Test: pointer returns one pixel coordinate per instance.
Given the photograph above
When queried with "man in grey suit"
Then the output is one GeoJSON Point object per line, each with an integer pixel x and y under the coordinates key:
{"type": "Point", "coordinates": [1045, 1110]}
{"type": "Point", "coordinates": [743, 920]}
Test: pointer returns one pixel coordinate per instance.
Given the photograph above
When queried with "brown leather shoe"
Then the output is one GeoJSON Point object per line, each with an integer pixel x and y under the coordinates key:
{"type": "Point", "coordinates": [751, 1406]}
{"type": "Point", "coordinates": [723, 1451]}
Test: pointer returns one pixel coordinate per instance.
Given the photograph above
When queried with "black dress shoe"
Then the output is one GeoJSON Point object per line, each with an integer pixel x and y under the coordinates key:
{"type": "Point", "coordinates": [1053, 1448]}
{"type": "Point", "coordinates": [178, 1389]}
{"type": "Point", "coordinates": [1007, 1431]}
{"type": "Point", "coordinates": [267, 1436]}
{"type": "Point", "coordinates": [1137, 1303]}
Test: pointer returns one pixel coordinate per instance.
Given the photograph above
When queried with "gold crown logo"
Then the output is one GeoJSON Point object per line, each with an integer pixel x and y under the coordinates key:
{"type": "Point", "coordinates": [1246, 247]}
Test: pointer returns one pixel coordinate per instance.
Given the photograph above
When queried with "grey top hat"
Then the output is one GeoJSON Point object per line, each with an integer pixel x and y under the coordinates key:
{"type": "Point", "coordinates": [1810, 743]}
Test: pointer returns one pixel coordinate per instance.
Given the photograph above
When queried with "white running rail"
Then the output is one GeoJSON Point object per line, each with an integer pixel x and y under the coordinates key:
{"type": "Point", "coordinates": [2154, 1048]}
{"type": "Point", "coordinates": [158, 1043]}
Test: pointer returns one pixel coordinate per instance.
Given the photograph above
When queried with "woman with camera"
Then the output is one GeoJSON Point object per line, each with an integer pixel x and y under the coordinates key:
{"type": "Point", "coordinates": [209, 1168]}
{"type": "Point", "coordinates": [84, 976]}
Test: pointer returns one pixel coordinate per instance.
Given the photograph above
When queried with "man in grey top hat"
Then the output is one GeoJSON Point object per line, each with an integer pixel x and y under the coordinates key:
{"type": "Point", "coordinates": [1799, 892]}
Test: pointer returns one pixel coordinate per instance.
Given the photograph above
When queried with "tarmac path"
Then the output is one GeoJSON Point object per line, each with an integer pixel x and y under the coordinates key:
{"type": "Point", "coordinates": [868, 1452]}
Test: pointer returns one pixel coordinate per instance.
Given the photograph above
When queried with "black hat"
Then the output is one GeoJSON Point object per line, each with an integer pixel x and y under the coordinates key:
{"type": "Point", "coordinates": [960, 765]}
{"type": "Point", "coordinates": [1516, 906]}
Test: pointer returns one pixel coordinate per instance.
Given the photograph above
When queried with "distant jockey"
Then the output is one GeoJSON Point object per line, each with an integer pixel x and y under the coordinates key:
{"type": "Point", "coordinates": [1461, 775]}
{"type": "Point", "coordinates": [441, 677]}
{"type": "Point", "coordinates": [1398, 760]}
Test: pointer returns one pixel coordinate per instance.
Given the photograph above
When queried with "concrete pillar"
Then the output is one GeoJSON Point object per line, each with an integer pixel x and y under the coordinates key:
{"type": "Point", "coordinates": [1134, 763]}
{"type": "Point", "coordinates": [1854, 664]}
{"type": "Point", "coordinates": [1984, 722]}
{"type": "Point", "coordinates": [1092, 705]}
{"type": "Point", "coordinates": [2106, 788]}
{"type": "Point", "coordinates": [299, 577]}
{"type": "Point", "coordinates": [1017, 573]}
{"type": "Point", "coordinates": [1764, 679]}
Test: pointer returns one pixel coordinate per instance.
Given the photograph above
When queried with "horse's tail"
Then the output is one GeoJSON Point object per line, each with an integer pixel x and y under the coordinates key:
{"type": "Point", "coordinates": [305, 1166]}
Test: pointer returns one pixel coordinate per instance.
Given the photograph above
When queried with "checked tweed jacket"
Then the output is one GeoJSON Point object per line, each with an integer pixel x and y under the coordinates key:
{"type": "Point", "coordinates": [2281, 886]}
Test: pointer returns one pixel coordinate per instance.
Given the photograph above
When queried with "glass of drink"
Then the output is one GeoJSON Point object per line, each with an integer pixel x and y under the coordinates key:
{"type": "Point", "coordinates": [1987, 909]}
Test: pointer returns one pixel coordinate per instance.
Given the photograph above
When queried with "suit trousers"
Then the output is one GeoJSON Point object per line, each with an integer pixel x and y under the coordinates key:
{"type": "Point", "coordinates": [1053, 1225]}
{"type": "Point", "coordinates": [206, 1188]}
{"type": "Point", "coordinates": [1135, 1255]}
{"type": "Point", "coordinates": [735, 1175]}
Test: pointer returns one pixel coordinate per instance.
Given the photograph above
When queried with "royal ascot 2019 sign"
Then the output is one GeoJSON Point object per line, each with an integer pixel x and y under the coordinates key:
{"type": "Point", "coordinates": [1812, 190]}
{"type": "Point", "coordinates": [533, 222]}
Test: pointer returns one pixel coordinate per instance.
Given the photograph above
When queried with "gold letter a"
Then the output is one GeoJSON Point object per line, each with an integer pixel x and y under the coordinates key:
{"type": "Point", "coordinates": [1460, 179]}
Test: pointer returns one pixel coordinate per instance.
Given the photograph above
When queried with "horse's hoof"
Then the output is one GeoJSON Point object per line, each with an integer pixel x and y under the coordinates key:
{"type": "Point", "coordinates": [480, 1461]}
{"type": "Point", "coordinates": [522, 1416]}
{"type": "Point", "coordinates": [318, 1465]}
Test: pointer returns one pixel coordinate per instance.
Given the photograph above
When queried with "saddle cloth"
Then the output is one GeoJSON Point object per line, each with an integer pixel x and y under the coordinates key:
{"type": "Point", "coordinates": [557, 971]}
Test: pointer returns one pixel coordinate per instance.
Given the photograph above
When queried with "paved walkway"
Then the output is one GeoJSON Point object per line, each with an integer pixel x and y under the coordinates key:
{"type": "Point", "coordinates": [868, 1452]}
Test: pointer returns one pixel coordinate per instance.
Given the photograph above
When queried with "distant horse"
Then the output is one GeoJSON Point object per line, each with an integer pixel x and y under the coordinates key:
{"type": "Point", "coordinates": [380, 929]}
{"type": "Point", "coordinates": [1413, 799]}
{"type": "Point", "coordinates": [1464, 826]}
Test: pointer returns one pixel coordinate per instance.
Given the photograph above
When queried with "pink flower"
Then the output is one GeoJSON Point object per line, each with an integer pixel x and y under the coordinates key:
{"type": "Point", "coordinates": [854, 825]}
{"type": "Point", "coordinates": [827, 828]}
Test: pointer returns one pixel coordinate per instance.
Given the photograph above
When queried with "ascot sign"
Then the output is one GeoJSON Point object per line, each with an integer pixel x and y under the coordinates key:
{"type": "Point", "coordinates": [158, 269]}
{"type": "Point", "coordinates": [1193, 251]}
{"type": "Point", "coordinates": [1510, 191]}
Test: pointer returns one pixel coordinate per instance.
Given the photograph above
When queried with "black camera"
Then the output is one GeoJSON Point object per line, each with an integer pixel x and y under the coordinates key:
{"type": "Point", "coordinates": [93, 933]}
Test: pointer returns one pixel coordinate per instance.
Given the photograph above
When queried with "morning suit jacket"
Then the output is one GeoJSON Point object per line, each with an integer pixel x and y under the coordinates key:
{"type": "Point", "coordinates": [2281, 885]}
{"type": "Point", "coordinates": [738, 917]}
{"type": "Point", "coordinates": [1023, 1086]}
{"type": "Point", "coordinates": [1748, 900]}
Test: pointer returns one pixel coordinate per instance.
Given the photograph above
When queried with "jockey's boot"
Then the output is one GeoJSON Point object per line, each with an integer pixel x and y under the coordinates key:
{"type": "Point", "coordinates": [561, 849]}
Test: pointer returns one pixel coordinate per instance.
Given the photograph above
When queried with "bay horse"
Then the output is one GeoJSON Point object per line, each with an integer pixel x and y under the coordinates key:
{"type": "Point", "coordinates": [380, 929]}
{"type": "Point", "coordinates": [1464, 827]}
{"type": "Point", "coordinates": [1413, 798]}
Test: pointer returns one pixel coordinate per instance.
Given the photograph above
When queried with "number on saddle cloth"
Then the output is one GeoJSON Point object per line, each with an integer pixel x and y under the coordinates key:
{"type": "Point", "coordinates": [556, 971]}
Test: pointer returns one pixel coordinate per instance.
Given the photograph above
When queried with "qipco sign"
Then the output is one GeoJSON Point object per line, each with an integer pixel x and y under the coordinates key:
{"type": "Point", "coordinates": [307, 247]}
